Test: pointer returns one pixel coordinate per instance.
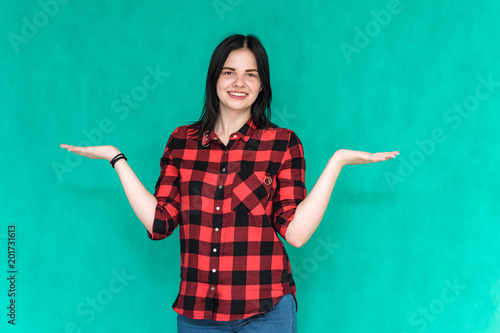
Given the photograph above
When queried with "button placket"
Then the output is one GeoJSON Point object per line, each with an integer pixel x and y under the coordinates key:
{"type": "Point", "coordinates": [214, 262]}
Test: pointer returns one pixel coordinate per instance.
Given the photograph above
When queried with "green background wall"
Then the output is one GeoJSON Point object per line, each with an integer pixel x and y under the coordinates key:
{"type": "Point", "coordinates": [407, 245]}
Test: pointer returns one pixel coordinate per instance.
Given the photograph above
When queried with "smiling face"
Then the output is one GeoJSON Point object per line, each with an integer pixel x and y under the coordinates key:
{"type": "Point", "coordinates": [239, 83]}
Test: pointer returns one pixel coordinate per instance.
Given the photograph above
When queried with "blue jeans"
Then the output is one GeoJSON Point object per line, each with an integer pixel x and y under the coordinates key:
{"type": "Point", "coordinates": [280, 318]}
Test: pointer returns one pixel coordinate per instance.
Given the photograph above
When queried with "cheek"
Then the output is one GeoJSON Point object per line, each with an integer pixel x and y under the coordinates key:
{"type": "Point", "coordinates": [220, 94]}
{"type": "Point", "coordinates": [220, 83]}
{"type": "Point", "coordinates": [256, 87]}
{"type": "Point", "coordinates": [220, 88]}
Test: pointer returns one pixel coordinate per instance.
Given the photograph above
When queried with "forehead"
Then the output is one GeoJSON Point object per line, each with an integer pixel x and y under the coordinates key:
{"type": "Point", "coordinates": [241, 58]}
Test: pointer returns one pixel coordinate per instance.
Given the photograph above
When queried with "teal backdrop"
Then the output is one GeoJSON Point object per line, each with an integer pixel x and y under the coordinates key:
{"type": "Point", "coordinates": [407, 245]}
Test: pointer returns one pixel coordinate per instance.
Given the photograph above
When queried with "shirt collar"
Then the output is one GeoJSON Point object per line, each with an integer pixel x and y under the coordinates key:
{"type": "Point", "coordinates": [245, 132]}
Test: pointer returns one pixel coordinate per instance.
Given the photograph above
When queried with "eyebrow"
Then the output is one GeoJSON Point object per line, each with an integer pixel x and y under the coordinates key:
{"type": "Point", "coordinates": [248, 70]}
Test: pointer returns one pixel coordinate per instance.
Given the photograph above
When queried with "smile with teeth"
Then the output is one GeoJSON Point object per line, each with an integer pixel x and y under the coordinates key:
{"type": "Point", "coordinates": [237, 94]}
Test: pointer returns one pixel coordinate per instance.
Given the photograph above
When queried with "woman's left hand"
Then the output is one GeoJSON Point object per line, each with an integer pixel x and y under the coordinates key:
{"type": "Point", "coordinates": [353, 157]}
{"type": "Point", "coordinates": [93, 152]}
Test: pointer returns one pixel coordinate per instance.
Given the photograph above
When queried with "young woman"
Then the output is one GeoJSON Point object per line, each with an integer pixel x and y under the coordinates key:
{"type": "Point", "coordinates": [232, 182]}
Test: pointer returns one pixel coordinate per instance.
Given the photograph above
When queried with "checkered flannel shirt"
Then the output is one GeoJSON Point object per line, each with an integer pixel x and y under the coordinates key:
{"type": "Point", "coordinates": [230, 203]}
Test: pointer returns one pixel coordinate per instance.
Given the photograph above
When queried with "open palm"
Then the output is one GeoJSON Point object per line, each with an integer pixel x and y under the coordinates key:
{"type": "Point", "coordinates": [94, 152]}
{"type": "Point", "coordinates": [353, 157]}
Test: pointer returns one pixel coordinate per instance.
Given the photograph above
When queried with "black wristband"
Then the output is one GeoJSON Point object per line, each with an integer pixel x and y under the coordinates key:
{"type": "Point", "coordinates": [116, 158]}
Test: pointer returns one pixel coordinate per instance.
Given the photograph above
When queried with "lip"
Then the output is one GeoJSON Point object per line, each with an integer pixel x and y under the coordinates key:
{"type": "Point", "coordinates": [237, 97]}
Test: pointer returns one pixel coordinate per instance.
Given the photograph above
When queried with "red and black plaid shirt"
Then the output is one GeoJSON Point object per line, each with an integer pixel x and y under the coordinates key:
{"type": "Point", "coordinates": [230, 203]}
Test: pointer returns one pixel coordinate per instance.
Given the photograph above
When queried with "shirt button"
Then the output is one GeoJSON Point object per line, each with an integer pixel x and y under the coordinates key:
{"type": "Point", "coordinates": [216, 229]}
{"type": "Point", "coordinates": [220, 186]}
{"type": "Point", "coordinates": [217, 207]}
{"type": "Point", "coordinates": [223, 169]}
{"type": "Point", "coordinates": [226, 151]}
{"type": "Point", "coordinates": [212, 288]}
{"type": "Point", "coordinates": [215, 250]}
{"type": "Point", "coordinates": [215, 139]}
{"type": "Point", "coordinates": [234, 136]}
{"type": "Point", "coordinates": [214, 270]}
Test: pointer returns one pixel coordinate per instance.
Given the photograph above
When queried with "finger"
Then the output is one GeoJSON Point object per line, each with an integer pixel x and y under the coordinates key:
{"type": "Point", "coordinates": [79, 150]}
{"type": "Point", "coordinates": [379, 155]}
{"type": "Point", "coordinates": [72, 148]}
{"type": "Point", "coordinates": [387, 157]}
{"type": "Point", "coordinates": [387, 154]}
{"type": "Point", "coordinates": [370, 158]}
{"type": "Point", "coordinates": [64, 146]}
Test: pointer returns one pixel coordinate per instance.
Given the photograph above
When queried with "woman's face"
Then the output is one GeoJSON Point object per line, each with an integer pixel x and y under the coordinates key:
{"type": "Point", "coordinates": [239, 83]}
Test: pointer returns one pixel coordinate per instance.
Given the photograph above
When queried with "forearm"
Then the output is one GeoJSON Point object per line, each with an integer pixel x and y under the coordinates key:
{"type": "Point", "coordinates": [311, 210]}
{"type": "Point", "coordinates": [142, 201]}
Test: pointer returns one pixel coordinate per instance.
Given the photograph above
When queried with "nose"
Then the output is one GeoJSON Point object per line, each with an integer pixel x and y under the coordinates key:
{"type": "Point", "coordinates": [238, 81]}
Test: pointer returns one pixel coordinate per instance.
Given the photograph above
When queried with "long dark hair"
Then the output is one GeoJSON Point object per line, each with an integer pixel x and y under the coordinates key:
{"type": "Point", "coordinates": [261, 108]}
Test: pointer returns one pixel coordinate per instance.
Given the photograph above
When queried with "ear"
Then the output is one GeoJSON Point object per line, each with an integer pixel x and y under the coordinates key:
{"type": "Point", "coordinates": [260, 89]}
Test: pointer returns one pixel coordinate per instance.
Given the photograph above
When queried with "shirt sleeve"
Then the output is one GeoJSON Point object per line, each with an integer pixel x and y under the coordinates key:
{"type": "Point", "coordinates": [167, 213]}
{"type": "Point", "coordinates": [290, 186]}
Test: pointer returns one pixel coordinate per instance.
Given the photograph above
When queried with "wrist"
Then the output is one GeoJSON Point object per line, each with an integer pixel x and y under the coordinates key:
{"type": "Point", "coordinates": [113, 154]}
{"type": "Point", "coordinates": [118, 162]}
{"type": "Point", "coordinates": [116, 159]}
{"type": "Point", "coordinates": [337, 160]}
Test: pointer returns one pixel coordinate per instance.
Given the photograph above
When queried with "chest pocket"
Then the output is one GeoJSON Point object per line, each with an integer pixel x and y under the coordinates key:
{"type": "Point", "coordinates": [252, 191]}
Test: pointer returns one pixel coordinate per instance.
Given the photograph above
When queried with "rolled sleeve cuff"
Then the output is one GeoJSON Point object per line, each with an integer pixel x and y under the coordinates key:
{"type": "Point", "coordinates": [282, 222]}
{"type": "Point", "coordinates": [162, 224]}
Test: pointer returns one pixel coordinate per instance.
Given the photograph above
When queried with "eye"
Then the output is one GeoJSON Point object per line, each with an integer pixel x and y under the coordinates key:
{"type": "Point", "coordinates": [227, 73]}
{"type": "Point", "coordinates": [252, 75]}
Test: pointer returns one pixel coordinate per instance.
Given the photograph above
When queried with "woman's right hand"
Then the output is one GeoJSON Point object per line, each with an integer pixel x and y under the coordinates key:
{"type": "Point", "coordinates": [94, 152]}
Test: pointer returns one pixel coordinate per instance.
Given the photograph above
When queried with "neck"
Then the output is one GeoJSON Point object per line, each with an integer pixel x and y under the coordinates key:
{"type": "Point", "coordinates": [230, 122]}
